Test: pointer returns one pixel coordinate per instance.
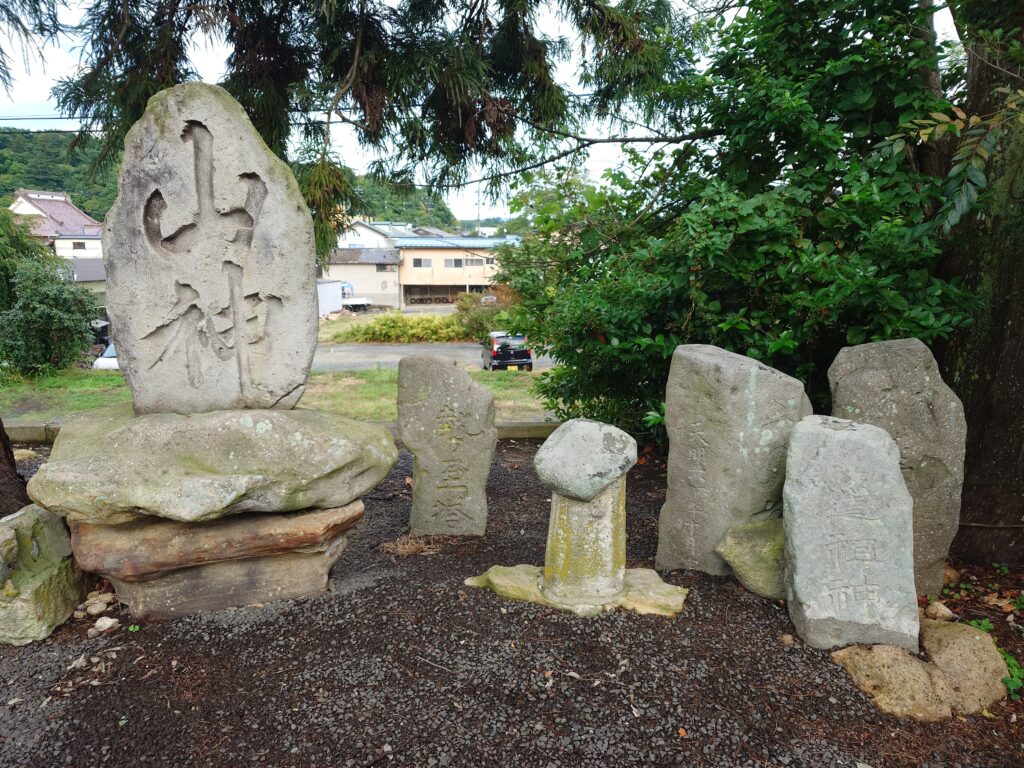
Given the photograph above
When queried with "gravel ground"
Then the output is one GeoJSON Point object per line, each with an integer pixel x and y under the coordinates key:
{"type": "Point", "coordinates": [401, 664]}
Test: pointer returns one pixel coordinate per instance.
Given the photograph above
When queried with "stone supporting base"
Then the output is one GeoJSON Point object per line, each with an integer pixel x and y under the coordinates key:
{"type": "Point", "coordinates": [161, 568]}
{"type": "Point", "coordinates": [643, 591]}
{"type": "Point", "coordinates": [230, 584]}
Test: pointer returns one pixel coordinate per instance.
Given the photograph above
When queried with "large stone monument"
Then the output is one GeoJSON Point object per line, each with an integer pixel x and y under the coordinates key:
{"type": "Point", "coordinates": [848, 523]}
{"type": "Point", "coordinates": [446, 420]}
{"type": "Point", "coordinates": [728, 419]}
{"type": "Point", "coordinates": [584, 463]}
{"type": "Point", "coordinates": [896, 385]}
{"type": "Point", "coordinates": [215, 493]}
{"type": "Point", "coordinates": [211, 278]}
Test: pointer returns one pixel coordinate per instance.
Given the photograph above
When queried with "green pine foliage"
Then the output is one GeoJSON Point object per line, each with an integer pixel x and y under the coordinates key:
{"type": "Point", "coordinates": [778, 232]}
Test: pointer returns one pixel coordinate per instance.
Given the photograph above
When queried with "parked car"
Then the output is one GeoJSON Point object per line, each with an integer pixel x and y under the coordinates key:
{"type": "Point", "coordinates": [505, 350]}
{"type": "Point", "coordinates": [488, 298]}
{"type": "Point", "coordinates": [107, 361]}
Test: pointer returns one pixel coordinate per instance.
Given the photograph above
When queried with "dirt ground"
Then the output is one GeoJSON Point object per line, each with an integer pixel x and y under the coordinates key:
{"type": "Point", "coordinates": [400, 664]}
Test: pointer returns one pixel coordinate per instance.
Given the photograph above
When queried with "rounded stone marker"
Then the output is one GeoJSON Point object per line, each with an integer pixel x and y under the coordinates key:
{"type": "Point", "coordinates": [584, 463]}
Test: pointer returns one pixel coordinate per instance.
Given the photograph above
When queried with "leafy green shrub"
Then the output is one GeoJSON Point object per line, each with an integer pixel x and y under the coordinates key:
{"type": "Point", "coordinates": [394, 327]}
{"type": "Point", "coordinates": [479, 319]}
{"type": "Point", "coordinates": [46, 327]}
{"type": "Point", "coordinates": [1014, 680]}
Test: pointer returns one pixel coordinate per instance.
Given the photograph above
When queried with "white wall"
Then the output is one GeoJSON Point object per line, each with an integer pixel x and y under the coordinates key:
{"type": "Point", "coordinates": [328, 297]}
{"type": "Point", "coordinates": [64, 247]}
{"type": "Point", "coordinates": [362, 236]}
{"type": "Point", "coordinates": [379, 287]}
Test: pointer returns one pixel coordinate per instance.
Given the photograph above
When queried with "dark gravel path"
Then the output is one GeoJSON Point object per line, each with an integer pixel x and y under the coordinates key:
{"type": "Point", "coordinates": [401, 664]}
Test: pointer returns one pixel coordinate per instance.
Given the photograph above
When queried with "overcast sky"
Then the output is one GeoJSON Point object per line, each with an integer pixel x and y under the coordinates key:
{"type": "Point", "coordinates": [29, 104]}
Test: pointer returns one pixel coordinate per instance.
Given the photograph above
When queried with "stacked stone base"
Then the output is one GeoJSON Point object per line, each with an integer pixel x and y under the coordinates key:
{"type": "Point", "coordinates": [162, 569]}
{"type": "Point", "coordinates": [224, 509]}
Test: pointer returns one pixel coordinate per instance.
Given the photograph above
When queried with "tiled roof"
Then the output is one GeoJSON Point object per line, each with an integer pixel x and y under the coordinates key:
{"type": "Point", "coordinates": [365, 256]}
{"type": "Point", "coordinates": [60, 215]}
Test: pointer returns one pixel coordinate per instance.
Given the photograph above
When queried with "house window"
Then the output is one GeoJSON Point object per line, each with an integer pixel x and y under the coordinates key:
{"type": "Point", "coordinates": [490, 261]}
{"type": "Point", "coordinates": [474, 262]}
{"type": "Point", "coordinates": [421, 263]}
{"type": "Point", "coordinates": [387, 267]}
{"type": "Point", "coordinates": [77, 245]}
{"type": "Point", "coordinates": [453, 263]}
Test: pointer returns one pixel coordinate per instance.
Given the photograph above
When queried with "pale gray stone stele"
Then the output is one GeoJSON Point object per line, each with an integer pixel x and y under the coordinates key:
{"type": "Point", "coordinates": [896, 385]}
{"type": "Point", "coordinates": [728, 419]}
{"type": "Point", "coordinates": [446, 420]}
{"type": "Point", "coordinates": [848, 521]}
{"type": "Point", "coordinates": [210, 258]}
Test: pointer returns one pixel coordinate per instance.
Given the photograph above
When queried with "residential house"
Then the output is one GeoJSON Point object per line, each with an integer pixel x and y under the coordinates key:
{"type": "Point", "coordinates": [72, 233]}
{"type": "Point", "coordinates": [397, 265]}
{"type": "Point", "coordinates": [372, 272]}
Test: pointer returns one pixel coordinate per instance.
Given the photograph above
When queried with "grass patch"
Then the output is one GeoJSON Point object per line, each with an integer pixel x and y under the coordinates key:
{"type": "Point", "coordinates": [49, 398]}
{"type": "Point", "coordinates": [371, 395]}
{"type": "Point", "coordinates": [364, 395]}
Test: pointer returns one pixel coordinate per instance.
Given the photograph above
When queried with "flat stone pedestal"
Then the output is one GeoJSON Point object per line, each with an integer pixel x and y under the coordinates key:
{"type": "Point", "coordinates": [161, 569]}
{"type": "Point", "coordinates": [643, 591]}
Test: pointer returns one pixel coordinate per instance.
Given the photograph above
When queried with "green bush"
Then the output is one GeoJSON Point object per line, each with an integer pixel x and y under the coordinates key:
{"type": "Point", "coordinates": [46, 327]}
{"type": "Point", "coordinates": [396, 328]}
{"type": "Point", "coordinates": [478, 320]}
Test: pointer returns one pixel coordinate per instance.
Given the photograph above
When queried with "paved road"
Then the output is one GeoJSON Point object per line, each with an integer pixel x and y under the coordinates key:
{"type": "Point", "coordinates": [364, 357]}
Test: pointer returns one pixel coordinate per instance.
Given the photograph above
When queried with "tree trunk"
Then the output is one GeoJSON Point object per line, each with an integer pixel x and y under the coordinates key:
{"type": "Point", "coordinates": [985, 363]}
{"type": "Point", "coordinates": [12, 487]}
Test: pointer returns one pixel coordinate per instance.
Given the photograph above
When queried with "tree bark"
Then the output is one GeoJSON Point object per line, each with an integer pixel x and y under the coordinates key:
{"type": "Point", "coordinates": [985, 362]}
{"type": "Point", "coordinates": [12, 488]}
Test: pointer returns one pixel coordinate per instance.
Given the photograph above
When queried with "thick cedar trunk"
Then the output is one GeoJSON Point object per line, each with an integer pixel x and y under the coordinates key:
{"type": "Point", "coordinates": [12, 487]}
{"type": "Point", "coordinates": [985, 363]}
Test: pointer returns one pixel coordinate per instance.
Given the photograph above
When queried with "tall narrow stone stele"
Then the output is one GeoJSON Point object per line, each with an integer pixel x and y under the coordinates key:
{"type": "Point", "coordinates": [896, 385]}
{"type": "Point", "coordinates": [211, 276]}
{"type": "Point", "coordinates": [848, 523]}
{"type": "Point", "coordinates": [728, 419]}
{"type": "Point", "coordinates": [446, 420]}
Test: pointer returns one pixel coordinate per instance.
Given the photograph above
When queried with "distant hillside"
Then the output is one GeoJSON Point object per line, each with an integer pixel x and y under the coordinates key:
{"type": "Point", "coordinates": [39, 160]}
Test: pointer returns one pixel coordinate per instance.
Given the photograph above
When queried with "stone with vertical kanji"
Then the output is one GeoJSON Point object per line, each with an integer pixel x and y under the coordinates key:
{"type": "Point", "coordinates": [896, 385]}
{"type": "Point", "coordinates": [446, 420]}
{"type": "Point", "coordinates": [211, 273]}
{"type": "Point", "coordinates": [728, 419]}
{"type": "Point", "coordinates": [849, 542]}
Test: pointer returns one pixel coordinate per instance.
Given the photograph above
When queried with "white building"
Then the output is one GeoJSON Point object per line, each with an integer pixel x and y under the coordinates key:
{"type": "Point", "coordinates": [71, 233]}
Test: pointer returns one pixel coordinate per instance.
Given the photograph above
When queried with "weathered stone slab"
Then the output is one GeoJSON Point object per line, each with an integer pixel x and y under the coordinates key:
{"type": "Point", "coordinates": [848, 522]}
{"type": "Point", "coordinates": [39, 583]}
{"type": "Point", "coordinates": [755, 552]}
{"type": "Point", "coordinates": [963, 675]}
{"type": "Point", "coordinates": [446, 420]}
{"type": "Point", "coordinates": [147, 548]}
{"type": "Point", "coordinates": [108, 467]}
{"type": "Point", "coordinates": [230, 583]}
{"type": "Point", "coordinates": [211, 273]}
{"type": "Point", "coordinates": [898, 683]}
{"type": "Point", "coordinates": [728, 419]}
{"type": "Point", "coordinates": [583, 457]}
{"type": "Point", "coordinates": [896, 385]}
{"type": "Point", "coordinates": [643, 591]}
{"type": "Point", "coordinates": [970, 662]}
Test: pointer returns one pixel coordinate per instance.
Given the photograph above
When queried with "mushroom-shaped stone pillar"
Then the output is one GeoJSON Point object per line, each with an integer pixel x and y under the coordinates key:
{"type": "Point", "coordinates": [584, 463]}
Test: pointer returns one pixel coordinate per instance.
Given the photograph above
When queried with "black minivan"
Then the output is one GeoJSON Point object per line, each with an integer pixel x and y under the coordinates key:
{"type": "Point", "coordinates": [505, 350]}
